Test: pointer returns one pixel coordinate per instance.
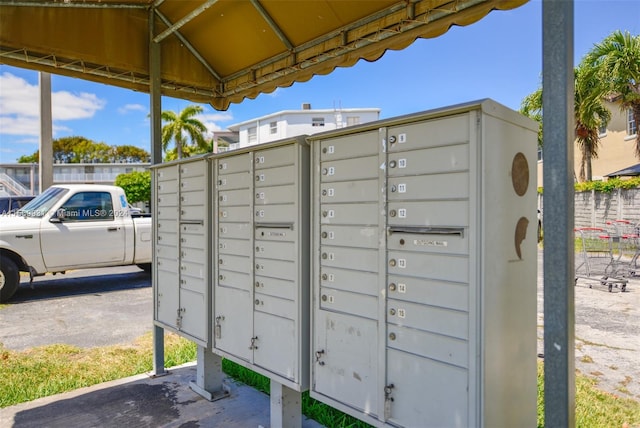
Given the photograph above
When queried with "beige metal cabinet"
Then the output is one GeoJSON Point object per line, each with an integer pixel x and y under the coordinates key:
{"type": "Point", "coordinates": [261, 288]}
{"type": "Point", "coordinates": [424, 269]}
{"type": "Point", "coordinates": [181, 248]}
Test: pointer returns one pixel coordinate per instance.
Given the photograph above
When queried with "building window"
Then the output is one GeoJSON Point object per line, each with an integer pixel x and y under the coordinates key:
{"type": "Point", "coordinates": [539, 154]}
{"type": "Point", "coordinates": [253, 136]}
{"type": "Point", "coordinates": [602, 130]}
{"type": "Point", "coordinates": [353, 120]}
{"type": "Point", "coordinates": [632, 126]}
{"type": "Point", "coordinates": [273, 127]}
{"type": "Point", "coordinates": [317, 121]}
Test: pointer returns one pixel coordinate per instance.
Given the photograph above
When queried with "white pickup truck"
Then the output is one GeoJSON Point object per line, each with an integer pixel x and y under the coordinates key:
{"type": "Point", "coordinates": [68, 227]}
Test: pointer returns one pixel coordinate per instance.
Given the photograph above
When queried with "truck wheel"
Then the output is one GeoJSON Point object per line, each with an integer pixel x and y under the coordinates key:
{"type": "Point", "coordinates": [9, 278]}
{"type": "Point", "coordinates": [146, 267]}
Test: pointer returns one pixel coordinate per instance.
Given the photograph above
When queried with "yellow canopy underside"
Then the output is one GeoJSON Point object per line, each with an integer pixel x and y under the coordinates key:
{"type": "Point", "coordinates": [218, 51]}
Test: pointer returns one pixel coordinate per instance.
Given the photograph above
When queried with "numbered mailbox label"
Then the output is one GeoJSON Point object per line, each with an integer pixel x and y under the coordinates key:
{"type": "Point", "coordinates": [402, 163]}
{"type": "Point", "coordinates": [402, 188]}
{"type": "Point", "coordinates": [402, 213]}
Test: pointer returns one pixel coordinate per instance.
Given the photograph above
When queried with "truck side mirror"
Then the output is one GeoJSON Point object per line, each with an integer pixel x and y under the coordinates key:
{"type": "Point", "coordinates": [58, 217]}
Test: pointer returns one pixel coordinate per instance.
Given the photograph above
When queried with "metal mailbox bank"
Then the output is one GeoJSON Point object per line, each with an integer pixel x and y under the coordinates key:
{"type": "Point", "coordinates": [424, 269]}
{"type": "Point", "coordinates": [181, 248]}
{"type": "Point", "coordinates": [261, 285]}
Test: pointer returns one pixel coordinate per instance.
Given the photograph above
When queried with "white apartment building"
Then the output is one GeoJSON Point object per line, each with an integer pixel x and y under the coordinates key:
{"type": "Point", "coordinates": [290, 123]}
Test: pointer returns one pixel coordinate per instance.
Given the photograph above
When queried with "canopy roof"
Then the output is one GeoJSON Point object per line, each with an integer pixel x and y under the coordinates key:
{"type": "Point", "coordinates": [218, 51]}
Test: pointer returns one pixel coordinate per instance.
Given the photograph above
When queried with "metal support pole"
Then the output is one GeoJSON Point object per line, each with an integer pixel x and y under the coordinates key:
{"type": "Point", "coordinates": [46, 133]}
{"type": "Point", "coordinates": [286, 406]}
{"type": "Point", "coordinates": [559, 274]}
{"type": "Point", "coordinates": [209, 381]}
{"type": "Point", "coordinates": [156, 157]}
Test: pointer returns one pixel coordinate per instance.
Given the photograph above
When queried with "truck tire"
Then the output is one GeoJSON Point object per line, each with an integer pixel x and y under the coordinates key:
{"type": "Point", "coordinates": [9, 278]}
{"type": "Point", "coordinates": [146, 267]}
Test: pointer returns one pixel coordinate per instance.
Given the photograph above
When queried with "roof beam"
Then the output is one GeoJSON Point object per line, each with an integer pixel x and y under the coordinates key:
{"type": "Point", "coordinates": [68, 4]}
{"type": "Point", "coordinates": [283, 38]}
{"type": "Point", "coordinates": [175, 27]}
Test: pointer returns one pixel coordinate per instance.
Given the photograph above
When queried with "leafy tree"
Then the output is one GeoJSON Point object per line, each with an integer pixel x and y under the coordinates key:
{"type": "Point", "coordinates": [617, 59]}
{"type": "Point", "coordinates": [136, 185]}
{"type": "Point", "coordinates": [82, 150]}
{"type": "Point", "coordinates": [589, 110]}
{"type": "Point", "coordinates": [182, 125]}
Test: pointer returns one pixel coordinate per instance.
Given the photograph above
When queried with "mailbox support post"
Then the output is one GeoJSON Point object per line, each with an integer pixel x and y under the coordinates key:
{"type": "Point", "coordinates": [286, 406]}
{"type": "Point", "coordinates": [209, 376]}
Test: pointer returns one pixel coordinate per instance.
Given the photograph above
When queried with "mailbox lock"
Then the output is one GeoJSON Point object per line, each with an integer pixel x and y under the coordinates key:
{"type": "Point", "coordinates": [221, 277]}
{"type": "Point", "coordinates": [392, 336]}
{"type": "Point", "coordinates": [325, 171]}
{"type": "Point", "coordinates": [219, 261]}
{"type": "Point", "coordinates": [324, 192]}
{"type": "Point", "coordinates": [392, 312]}
{"type": "Point", "coordinates": [257, 284]}
{"type": "Point", "coordinates": [324, 276]}
{"type": "Point", "coordinates": [393, 188]}
{"type": "Point", "coordinates": [392, 139]}
{"type": "Point", "coordinates": [257, 266]}
{"type": "Point", "coordinates": [324, 150]}
{"type": "Point", "coordinates": [392, 287]}
{"type": "Point", "coordinates": [401, 241]}
{"type": "Point", "coordinates": [392, 164]}
{"type": "Point", "coordinates": [257, 302]}
{"type": "Point", "coordinates": [392, 262]}
{"type": "Point", "coordinates": [324, 256]}
{"type": "Point", "coordinates": [257, 178]}
{"type": "Point", "coordinates": [324, 297]}
{"type": "Point", "coordinates": [392, 213]}
{"type": "Point", "coordinates": [325, 234]}
{"type": "Point", "coordinates": [324, 213]}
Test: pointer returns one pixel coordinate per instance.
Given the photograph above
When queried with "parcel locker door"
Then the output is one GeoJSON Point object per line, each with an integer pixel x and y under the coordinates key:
{"type": "Point", "coordinates": [345, 356]}
{"type": "Point", "coordinates": [167, 303]}
{"type": "Point", "coordinates": [426, 393]}
{"type": "Point", "coordinates": [276, 345]}
{"type": "Point", "coordinates": [233, 322]}
{"type": "Point", "coordinates": [193, 314]}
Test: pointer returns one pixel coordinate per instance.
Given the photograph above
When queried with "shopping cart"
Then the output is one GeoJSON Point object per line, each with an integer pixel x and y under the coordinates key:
{"type": "Point", "coordinates": [599, 258]}
{"type": "Point", "coordinates": [626, 236]}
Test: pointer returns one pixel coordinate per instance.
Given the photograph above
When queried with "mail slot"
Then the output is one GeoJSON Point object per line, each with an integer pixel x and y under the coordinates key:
{"type": "Point", "coordinates": [234, 263]}
{"type": "Point", "coordinates": [285, 213]}
{"type": "Point", "coordinates": [438, 347]}
{"type": "Point", "coordinates": [349, 303]}
{"type": "Point", "coordinates": [192, 212]}
{"type": "Point", "coordinates": [433, 186]}
{"type": "Point", "coordinates": [238, 180]}
{"type": "Point", "coordinates": [193, 169]}
{"type": "Point", "coordinates": [231, 279]}
{"type": "Point", "coordinates": [238, 247]}
{"type": "Point", "coordinates": [350, 280]}
{"type": "Point", "coordinates": [429, 213]}
{"type": "Point", "coordinates": [284, 308]}
{"type": "Point", "coordinates": [350, 169]}
{"type": "Point", "coordinates": [234, 230]}
{"type": "Point", "coordinates": [445, 294]}
{"type": "Point", "coordinates": [167, 200]}
{"type": "Point", "coordinates": [238, 197]}
{"type": "Point", "coordinates": [193, 281]}
{"type": "Point", "coordinates": [190, 184]}
{"type": "Point", "coordinates": [284, 269]}
{"type": "Point", "coordinates": [193, 239]}
{"type": "Point", "coordinates": [350, 146]}
{"type": "Point", "coordinates": [170, 187]}
{"type": "Point", "coordinates": [432, 266]}
{"type": "Point", "coordinates": [428, 318]}
{"type": "Point", "coordinates": [434, 160]}
{"type": "Point", "coordinates": [167, 213]}
{"type": "Point", "coordinates": [350, 191]}
{"type": "Point", "coordinates": [196, 255]}
{"type": "Point", "coordinates": [352, 258]}
{"type": "Point", "coordinates": [353, 214]}
{"type": "Point", "coordinates": [234, 214]}
{"type": "Point", "coordinates": [275, 176]}
{"type": "Point", "coordinates": [275, 157]}
{"type": "Point", "coordinates": [275, 195]}
{"type": "Point", "coordinates": [167, 174]}
{"type": "Point", "coordinates": [349, 236]}
{"type": "Point", "coordinates": [275, 287]}
{"type": "Point", "coordinates": [233, 164]}
{"type": "Point", "coordinates": [432, 133]}
{"type": "Point", "coordinates": [275, 250]}
{"type": "Point", "coordinates": [450, 241]}
{"type": "Point", "coordinates": [168, 238]}
{"type": "Point", "coordinates": [275, 232]}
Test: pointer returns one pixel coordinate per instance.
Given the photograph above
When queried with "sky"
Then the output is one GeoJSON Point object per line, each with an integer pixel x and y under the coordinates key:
{"type": "Point", "coordinates": [498, 57]}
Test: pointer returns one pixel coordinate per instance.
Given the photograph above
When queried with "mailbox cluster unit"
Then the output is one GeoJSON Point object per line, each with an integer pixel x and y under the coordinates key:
{"type": "Point", "coordinates": [181, 221]}
{"type": "Point", "coordinates": [389, 268]}
{"type": "Point", "coordinates": [261, 316]}
{"type": "Point", "coordinates": [424, 286]}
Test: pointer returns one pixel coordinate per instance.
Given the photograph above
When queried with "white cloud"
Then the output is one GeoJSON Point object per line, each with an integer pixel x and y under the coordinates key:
{"type": "Point", "coordinates": [20, 106]}
{"type": "Point", "coordinates": [209, 120]}
{"type": "Point", "coordinates": [132, 107]}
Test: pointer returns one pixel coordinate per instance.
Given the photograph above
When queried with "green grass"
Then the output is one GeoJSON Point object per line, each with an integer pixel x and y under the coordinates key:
{"type": "Point", "coordinates": [48, 370]}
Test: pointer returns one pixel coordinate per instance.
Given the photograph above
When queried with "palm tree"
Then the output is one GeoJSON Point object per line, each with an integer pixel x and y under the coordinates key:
{"type": "Point", "coordinates": [589, 111]}
{"type": "Point", "coordinates": [180, 126]}
{"type": "Point", "coordinates": [617, 59]}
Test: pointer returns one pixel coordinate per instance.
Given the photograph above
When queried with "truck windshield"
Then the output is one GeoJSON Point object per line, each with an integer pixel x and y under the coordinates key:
{"type": "Point", "coordinates": [39, 206]}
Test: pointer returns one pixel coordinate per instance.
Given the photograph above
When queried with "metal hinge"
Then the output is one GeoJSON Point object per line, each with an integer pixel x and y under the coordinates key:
{"type": "Point", "coordinates": [179, 318]}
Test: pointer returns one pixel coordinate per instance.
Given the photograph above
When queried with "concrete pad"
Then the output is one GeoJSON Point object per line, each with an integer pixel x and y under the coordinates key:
{"type": "Point", "coordinates": [143, 401]}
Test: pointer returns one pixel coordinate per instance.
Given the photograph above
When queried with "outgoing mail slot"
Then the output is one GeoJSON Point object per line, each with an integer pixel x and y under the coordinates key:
{"type": "Point", "coordinates": [436, 320]}
{"type": "Point", "coordinates": [234, 263]}
{"type": "Point", "coordinates": [349, 303]}
{"type": "Point", "coordinates": [432, 133]}
{"type": "Point", "coordinates": [428, 213]}
{"type": "Point", "coordinates": [167, 200]}
{"type": "Point", "coordinates": [445, 294]}
{"type": "Point", "coordinates": [228, 198]}
{"type": "Point", "coordinates": [350, 280]}
{"type": "Point", "coordinates": [192, 198]}
{"type": "Point", "coordinates": [275, 176]}
{"type": "Point", "coordinates": [167, 187]}
{"type": "Point", "coordinates": [193, 212]}
{"type": "Point", "coordinates": [231, 279]}
{"type": "Point", "coordinates": [193, 169]}
{"type": "Point", "coordinates": [449, 350]}
{"type": "Point", "coordinates": [349, 169]}
{"type": "Point", "coordinates": [238, 180]}
{"type": "Point", "coordinates": [233, 164]}
{"type": "Point", "coordinates": [238, 247]}
{"type": "Point", "coordinates": [350, 236]}
{"type": "Point", "coordinates": [235, 214]}
{"type": "Point", "coordinates": [273, 305]}
{"type": "Point", "coordinates": [275, 195]}
{"type": "Point", "coordinates": [350, 191]}
{"type": "Point", "coordinates": [274, 157]}
{"type": "Point", "coordinates": [433, 266]}
{"type": "Point", "coordinates": [437, 186]}
{"type": "Point", "coordinates": [276, 232]}
{"type": "Point", "coordinates": [167, 173]}
{"type": "Point", "coordinates": [234, 230]}
{"type": "Point", "coordinates": [349, 258]}
{"type": "Point", "coordinates": [363, 214]}
{"type": "Point", "coordinates": [275, 250]}
{"type": "Point", "coordinates": [276, 287]}
{"type": "Point", "coordinates": [429, 161]}
{"type": "Point", "coordinates": [350, 146]}
{"type": "Point", "coordinates": [286, 213]}
{"type": "Point", "coordinates": [450, 241]}
{"type": "Point", "coordinates": [282, 269]}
